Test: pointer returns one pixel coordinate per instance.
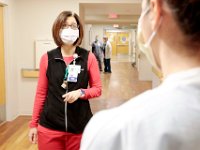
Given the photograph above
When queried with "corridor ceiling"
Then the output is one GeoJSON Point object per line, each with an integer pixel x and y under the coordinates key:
{"type": "Point", "coordinates": [100, 13]}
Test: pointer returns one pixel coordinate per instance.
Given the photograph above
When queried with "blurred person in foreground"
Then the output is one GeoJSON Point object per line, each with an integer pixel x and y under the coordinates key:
{"type": "Point", "coordinates": [167, 117]}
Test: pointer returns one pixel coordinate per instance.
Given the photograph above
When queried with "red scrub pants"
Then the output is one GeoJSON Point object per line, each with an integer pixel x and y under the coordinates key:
{"type": "Point", "coordinates": [57, 140]}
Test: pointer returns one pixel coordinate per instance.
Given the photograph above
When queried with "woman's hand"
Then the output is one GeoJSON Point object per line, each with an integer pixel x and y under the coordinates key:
{"type": "Point", "coordinates": [33, 135]}
{"type": "Point", "coordinates": [72, 96]}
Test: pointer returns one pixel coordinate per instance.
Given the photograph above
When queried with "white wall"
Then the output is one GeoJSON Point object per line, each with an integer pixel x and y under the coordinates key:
{"type": "Point", "coordinates": [11, 70]}
{"type": "Point", "coordinates": [35, 23]}
{"type": "Point", "coordinates": [26, 21]}
{"type": "Point", "coordinates": [133, 46]}
{"type": "Point", "coordinates": [87, 36]}
{"type": "Point", "coordinates": [98, 30]}
{"type": "Point", "coordinates": [93, 30]}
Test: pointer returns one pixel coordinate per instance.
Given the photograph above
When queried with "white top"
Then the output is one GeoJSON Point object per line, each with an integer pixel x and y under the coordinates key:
{"type": "Point", "coordinates": [165, 118]}
{"type": "Point", "coordinates": [108, 50]}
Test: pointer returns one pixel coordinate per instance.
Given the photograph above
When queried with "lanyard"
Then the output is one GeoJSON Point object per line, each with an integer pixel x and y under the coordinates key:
{"type": "Point", "coordinates": [65, 83]}
{"type": "Point", "coordinates": [66, 73]}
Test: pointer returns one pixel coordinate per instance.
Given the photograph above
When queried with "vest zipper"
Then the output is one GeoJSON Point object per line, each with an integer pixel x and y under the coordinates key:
{"type": "Point", "coordinates": [66, 115]}
{"type": "Point", "coordinates": [65, 102]}
{"type": "Point", "coordinates": [66, 92]}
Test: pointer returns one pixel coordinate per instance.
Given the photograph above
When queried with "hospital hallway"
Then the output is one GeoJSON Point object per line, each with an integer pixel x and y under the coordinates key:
{"type": "Point", "coordinates": [119, 86]}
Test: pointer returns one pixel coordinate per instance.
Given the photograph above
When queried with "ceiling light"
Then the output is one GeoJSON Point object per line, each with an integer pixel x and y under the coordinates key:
{"type": "Point", "coordinates": [115, 25]}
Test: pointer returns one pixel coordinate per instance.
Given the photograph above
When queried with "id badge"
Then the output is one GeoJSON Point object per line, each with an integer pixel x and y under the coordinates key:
{"type": "Point", "coordinates": [74, 70]}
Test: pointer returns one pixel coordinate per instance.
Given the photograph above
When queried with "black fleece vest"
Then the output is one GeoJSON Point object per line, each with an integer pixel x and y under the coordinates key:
{"type": "Point", "coordinates": [79, 112]}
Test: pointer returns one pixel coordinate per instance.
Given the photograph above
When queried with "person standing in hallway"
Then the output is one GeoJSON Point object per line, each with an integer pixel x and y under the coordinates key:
{"type": "Point", "coordinates": [103, 49]}
{"type": "Point", "coordinates": [97, 50]}
{"type": "Point", "coordinates": [167, 117]}
{"type": "Point", "coordinates": [107, 55]}
{"type": "Point", "coordinates": [61, 109]}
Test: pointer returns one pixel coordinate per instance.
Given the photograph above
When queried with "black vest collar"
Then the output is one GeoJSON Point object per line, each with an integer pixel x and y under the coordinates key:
{"type": "Point", "coordinates": [58, 54]}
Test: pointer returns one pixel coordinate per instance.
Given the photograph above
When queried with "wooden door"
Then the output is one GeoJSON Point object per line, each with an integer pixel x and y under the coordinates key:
{"type": "Point", "coordinates": [122, 43]}
{"type": "Point", "coordinates": [2, 69]}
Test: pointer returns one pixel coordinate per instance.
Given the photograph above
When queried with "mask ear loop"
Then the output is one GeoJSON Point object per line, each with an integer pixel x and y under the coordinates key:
{"type": "Point", "coordinates": [154, 33]}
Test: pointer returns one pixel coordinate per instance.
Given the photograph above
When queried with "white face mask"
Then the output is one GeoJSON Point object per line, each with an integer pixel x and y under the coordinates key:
{"type": "Point", "coordinates": [145, 47]}
{"type": "Point", "coordinates": [69, 36]}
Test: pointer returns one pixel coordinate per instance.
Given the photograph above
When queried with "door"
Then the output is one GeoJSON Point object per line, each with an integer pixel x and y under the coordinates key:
{"type": "Point", "coordinates": [122, 43]}
{"type": "Point", "coordinates": [119, 42]}
{"type": "Point", "coordinates": [2, 70]}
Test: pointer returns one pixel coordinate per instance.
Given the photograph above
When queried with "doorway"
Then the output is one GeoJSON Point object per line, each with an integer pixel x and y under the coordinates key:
{"type": "Point", "coordinates": [120, 42]}
{"type": "Point", "coordinates": [2, 70]}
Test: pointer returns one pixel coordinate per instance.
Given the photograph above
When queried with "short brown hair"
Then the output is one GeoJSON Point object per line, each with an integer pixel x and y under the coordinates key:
{"type": "Point", "coordinates": [60, 22]}
{"type": "Point", "coordinates": [187, 15]}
